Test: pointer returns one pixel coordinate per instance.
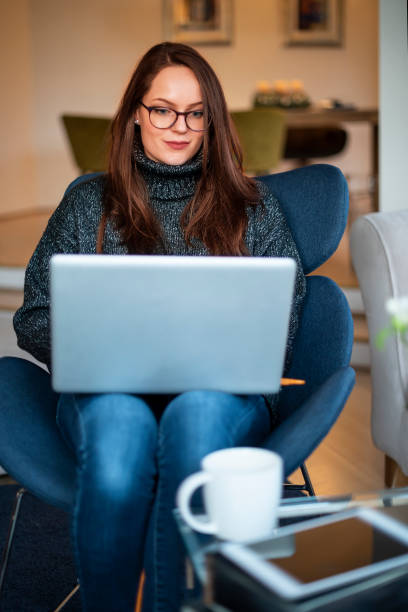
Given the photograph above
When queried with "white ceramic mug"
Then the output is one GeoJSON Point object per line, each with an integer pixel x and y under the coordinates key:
{"type": "Point", "coordinates": [242, 491]}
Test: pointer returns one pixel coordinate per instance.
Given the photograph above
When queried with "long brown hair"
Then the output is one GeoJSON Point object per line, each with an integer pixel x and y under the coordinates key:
{"type": "Point", "coordinates": [216, 214]}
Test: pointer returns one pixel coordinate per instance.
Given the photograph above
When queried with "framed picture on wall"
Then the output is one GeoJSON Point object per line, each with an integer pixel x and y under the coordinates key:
{"type": "Point", "coordinates": [198, 22]}
{"type": "Point", "coordinates": [314, 22]}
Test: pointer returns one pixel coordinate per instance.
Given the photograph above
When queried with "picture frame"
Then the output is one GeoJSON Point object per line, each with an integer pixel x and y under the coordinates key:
{"type": "Point", "coordinates": [198, 22]}
{"type": "Point", "coordinates": [314, 22]}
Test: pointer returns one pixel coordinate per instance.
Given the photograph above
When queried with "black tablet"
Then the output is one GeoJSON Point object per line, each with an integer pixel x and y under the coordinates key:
{"type": "Point", "coordinates": [324, 553]}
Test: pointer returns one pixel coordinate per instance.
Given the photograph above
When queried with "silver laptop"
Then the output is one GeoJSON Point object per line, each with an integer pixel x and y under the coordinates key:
{"type": "Point", "coordinates": [167, 324]}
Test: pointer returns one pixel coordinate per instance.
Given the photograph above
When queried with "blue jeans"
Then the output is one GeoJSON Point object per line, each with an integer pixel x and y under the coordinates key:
{"type": "Point", "coordinates": [132, 453]}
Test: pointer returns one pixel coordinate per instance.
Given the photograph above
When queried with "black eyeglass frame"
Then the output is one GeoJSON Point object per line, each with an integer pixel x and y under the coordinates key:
{"type": "Point", "coordinates": [178, 113]}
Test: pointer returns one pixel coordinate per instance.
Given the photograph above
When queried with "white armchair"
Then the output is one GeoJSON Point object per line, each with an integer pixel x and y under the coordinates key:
{"type": "Point", "coordinates": [379, 248]}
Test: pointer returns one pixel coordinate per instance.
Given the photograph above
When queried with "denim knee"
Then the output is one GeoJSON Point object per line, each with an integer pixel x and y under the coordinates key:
{"type": "Point", "coordinates": [196, 423]}
{"type": "Point", "coordinates": [114, 437]}
{"type": "Point", "coordinates": [191, 427]}
{"type": "Point", "coordinates": [191, 408]}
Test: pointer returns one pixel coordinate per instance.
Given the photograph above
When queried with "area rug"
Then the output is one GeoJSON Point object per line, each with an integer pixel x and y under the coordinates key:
{"type": "Point", "coordinates": [41, 571]}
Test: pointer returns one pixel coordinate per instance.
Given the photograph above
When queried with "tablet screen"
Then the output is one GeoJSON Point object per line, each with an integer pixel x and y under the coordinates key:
{"type": "Point", "coordinates": [337, 548]}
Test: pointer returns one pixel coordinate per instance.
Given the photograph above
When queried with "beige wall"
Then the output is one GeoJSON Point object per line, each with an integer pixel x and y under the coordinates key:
{"type": "Point", "coordinates": [78, 54]}
{"type": "Point", "coordinates": [17, 157]}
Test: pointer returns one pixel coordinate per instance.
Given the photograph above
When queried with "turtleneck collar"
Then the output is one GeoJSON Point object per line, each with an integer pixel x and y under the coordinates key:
{"type": "Point", "coordinates": [166, 182]}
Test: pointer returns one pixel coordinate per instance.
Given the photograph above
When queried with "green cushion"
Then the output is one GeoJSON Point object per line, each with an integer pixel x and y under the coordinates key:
{"type": "Point", "coordinates": [89, 141]}
{"type": "Point", "coordinates": [262, 135]}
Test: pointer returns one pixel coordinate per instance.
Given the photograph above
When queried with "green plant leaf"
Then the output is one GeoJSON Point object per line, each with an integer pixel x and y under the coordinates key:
{"type": "Point", "coordinates": [399, 326]}
{"type": "Point", "coordinates": [382, 337]}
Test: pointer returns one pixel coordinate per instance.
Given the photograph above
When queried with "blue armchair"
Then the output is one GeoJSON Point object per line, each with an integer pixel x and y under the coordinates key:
{"type": "Point", "coordinates": [315, 202]}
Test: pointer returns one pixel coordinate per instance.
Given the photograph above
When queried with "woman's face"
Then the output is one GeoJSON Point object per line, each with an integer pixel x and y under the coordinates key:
{"type": "Point", "coordinates": [176, 88]}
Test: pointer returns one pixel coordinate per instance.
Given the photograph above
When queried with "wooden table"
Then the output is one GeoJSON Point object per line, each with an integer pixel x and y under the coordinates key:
{"type": "Point", "coordinates": [309, 117]}
{"type": "Point", "coordinates": [317, 116]}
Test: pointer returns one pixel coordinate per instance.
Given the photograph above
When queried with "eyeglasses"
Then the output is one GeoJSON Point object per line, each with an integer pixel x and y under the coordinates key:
{"type": "Point", "coordinates": [164, 118]}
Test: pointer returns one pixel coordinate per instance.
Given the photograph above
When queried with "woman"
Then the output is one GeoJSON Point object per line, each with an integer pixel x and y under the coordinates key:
{"type": "Point", "coordinates": [175, 185]}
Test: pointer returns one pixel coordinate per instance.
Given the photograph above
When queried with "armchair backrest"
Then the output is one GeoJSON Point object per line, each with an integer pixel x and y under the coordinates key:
{"type": "Point", "coordinates": [314, 200]}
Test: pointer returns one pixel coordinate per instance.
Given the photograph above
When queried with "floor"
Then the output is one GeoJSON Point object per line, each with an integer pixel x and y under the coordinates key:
{"type": "Point", "coordinates": [345, 461]}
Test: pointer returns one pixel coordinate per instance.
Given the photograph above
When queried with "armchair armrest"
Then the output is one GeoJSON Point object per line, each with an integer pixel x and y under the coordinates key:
{"type": "Point", "coordinates": [305, 428]}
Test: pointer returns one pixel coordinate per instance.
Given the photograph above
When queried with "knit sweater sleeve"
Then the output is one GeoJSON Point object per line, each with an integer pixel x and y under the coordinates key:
{"type": "Point", "coordinates": [273, 238]}
{"type": "Point", "coordinates": [31, 321]}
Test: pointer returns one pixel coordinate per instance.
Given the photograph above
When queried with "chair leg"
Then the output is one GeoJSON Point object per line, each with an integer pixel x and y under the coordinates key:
{"type": "Point", "coordinates": [67, 599]}
{"type": "Point", "coordinates": [9, 543]}
{"type": "Point", "coordinates": [306, 486]}
{"type": "Point", "coordinates": [139, 599]}
{"type": "Point", "coordinates": [308, 483]}
{"type": "Point", "coordinates": [10, 536]}
{"type": "Point", "coordinates": [390, 468]}
{"type": "Point", "coordinates": [393, 475]}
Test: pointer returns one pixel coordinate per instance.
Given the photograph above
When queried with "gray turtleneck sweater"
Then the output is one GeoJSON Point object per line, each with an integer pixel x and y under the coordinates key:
{"type": "Point", "coordinates": [74, 225]}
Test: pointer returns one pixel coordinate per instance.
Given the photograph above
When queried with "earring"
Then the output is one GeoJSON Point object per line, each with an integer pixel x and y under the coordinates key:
{"type": "Point", "coordinates": [137, 121]}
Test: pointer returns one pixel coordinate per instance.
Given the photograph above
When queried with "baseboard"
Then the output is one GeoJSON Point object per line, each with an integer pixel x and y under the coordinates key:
{"type": "Point", "coordinates": [11, 278]}
{"type": "Point", "coordinates": [360, 355]}
{"type": "Point", "coordinates": [355, 300]}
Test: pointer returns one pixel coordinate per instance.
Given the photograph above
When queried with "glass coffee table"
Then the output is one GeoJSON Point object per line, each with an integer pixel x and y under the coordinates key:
{"type": "Point", "coordinates": [393, 502]}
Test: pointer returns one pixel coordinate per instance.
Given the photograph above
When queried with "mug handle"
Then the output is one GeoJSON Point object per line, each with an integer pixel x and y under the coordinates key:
{"type": "Point", "coordinates": [184, 494]}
